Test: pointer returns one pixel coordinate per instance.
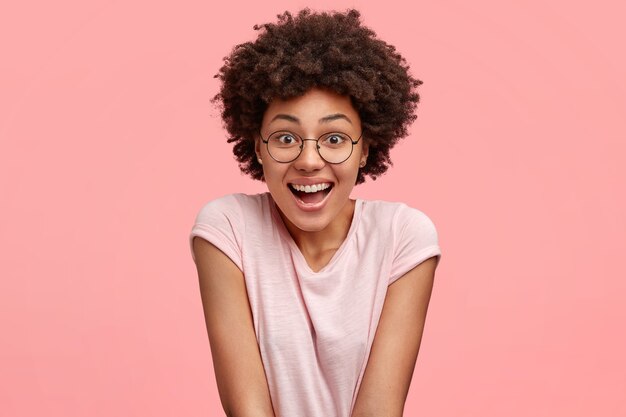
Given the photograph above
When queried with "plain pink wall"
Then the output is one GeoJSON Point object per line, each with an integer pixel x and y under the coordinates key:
{"type": "Point", "coordinates": [109, 146]}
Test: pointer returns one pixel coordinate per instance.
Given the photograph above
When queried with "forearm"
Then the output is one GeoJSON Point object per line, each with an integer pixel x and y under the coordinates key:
{"type": "Point", "coordinates": [361, 410]}
{"type": "Point", "coordinates": [254, 403]}
{"type": "Point", "coordinates": [250, 412]}
{"type": "Point", "coordinates": [239, 372]}
{"type": "Point", "coordinates": [391, 363]}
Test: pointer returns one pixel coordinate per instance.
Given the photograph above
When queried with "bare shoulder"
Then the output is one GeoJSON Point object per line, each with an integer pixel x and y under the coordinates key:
{"type": "Point", "coordinates": [237, 361]}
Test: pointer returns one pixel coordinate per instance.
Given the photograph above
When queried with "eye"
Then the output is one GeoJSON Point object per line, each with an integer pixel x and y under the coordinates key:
{"type": "Point", "coordinates": [334, 139]}
{"type": "Point", "coordinates": [284, 139]}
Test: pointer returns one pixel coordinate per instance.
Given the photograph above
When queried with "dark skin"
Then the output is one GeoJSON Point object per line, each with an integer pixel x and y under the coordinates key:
{"type": "Point", "coordinates": [239, 372]}
{"type": "Point", "coordinates": [335, 52]}
{"type": "Point", "coordinates": [325, 50]}
{"type": "Point", "coordinates": [238, 367]}
{"type": "Point", "coordinates": [317, 233]}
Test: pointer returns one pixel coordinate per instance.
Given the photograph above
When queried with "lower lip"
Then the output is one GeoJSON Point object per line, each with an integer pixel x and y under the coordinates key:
{"type": "Point", "coordinates": [311, 206]}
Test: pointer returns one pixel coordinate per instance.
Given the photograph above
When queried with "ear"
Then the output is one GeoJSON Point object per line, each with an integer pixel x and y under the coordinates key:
{"type": "Point", "coordinates": [365, 151]}
{"type": "Point", "coordinates": [257, 146]}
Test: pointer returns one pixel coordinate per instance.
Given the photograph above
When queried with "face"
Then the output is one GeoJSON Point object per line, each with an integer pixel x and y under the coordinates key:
{"type": "Point", "coordinates": [315, 113]}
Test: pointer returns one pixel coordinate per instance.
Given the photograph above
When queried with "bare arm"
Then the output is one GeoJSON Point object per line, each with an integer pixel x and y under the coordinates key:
{"type": "Point", "coordinates": [392, 359]}
{"type": "Point", "coordinates": [239, 372]}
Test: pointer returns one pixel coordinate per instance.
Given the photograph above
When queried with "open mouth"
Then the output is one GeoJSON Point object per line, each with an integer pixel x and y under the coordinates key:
{"type": "Point", "coordinates": [311, 194]}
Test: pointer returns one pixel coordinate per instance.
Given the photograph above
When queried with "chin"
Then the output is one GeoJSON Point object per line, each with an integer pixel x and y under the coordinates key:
{"type": "Point", "coordinates": [307, 222]}
{"type": "Point", "coordinates": [310, 225]}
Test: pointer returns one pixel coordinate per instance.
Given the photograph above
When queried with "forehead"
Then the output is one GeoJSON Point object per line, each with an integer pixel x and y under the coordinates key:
{"type": "Point", "coordinates": [311, 107]}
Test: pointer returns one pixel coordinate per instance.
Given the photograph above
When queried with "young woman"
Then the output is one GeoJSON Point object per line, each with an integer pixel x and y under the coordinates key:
{"type": "Point", "coordinates": [314, 302]}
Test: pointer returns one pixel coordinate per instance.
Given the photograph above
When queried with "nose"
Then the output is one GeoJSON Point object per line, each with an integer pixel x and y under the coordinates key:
{"type": "Point", "coordinates": [309, 159]}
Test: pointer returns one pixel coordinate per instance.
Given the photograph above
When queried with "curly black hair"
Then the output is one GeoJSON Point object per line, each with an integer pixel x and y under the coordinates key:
{"type": "Point", "coordinates": [329, 50]}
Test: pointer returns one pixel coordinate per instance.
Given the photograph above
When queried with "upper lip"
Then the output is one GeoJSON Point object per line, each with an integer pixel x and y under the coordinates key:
{"type": "Point", "coordinates": [310, 181]}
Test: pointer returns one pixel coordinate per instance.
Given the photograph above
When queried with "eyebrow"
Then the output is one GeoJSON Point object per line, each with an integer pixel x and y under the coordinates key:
{"type": "Point", "coordinates": [287, 117]}
{"type": "Point", "coordinates": [325, 119]}
{"type": "Point", "coordinates": [336, 116]}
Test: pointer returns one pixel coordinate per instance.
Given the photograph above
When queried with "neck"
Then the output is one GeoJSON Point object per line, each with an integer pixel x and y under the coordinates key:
{"type": "Point", "coordinates": [329, 238]}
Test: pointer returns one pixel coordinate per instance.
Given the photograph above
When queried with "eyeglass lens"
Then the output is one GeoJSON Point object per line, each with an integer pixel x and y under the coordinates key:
{"type": "Point", "coordinates": [334, 147]}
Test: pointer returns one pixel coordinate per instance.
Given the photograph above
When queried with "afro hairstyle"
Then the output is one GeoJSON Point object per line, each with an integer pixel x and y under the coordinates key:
{"type": "Point", "coordinates": [330, 50]}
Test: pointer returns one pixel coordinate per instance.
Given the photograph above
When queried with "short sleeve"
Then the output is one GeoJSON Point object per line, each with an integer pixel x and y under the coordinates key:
{"type": "Point", "coordinates": [416, 240]}
{"type": "Point", "coordinates": [220, 223]}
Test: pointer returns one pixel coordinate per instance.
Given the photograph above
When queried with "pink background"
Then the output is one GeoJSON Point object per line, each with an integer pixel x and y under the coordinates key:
{"type": "Point", "coordinates": [109, 147]}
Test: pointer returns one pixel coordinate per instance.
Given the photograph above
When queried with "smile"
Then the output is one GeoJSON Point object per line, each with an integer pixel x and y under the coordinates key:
{"type": "Point", "coordinates": [313, 188]}
{"type": "Point", "coordinates": [311, 197]}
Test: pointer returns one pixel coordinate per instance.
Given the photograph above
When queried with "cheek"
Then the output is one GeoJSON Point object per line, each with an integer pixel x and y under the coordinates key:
{"type": "Point", "coordinates": [350, 171]}
{"type": "Point", "coordinates": [273, 173]}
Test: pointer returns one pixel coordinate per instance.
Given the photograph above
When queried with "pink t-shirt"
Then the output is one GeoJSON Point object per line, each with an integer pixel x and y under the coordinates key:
{"type": "Point", "coordinates": [315, 329]}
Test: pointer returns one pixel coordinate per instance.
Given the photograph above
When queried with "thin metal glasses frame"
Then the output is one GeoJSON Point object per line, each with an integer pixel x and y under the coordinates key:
{"type": "Point", "coordinates": [317, 146]}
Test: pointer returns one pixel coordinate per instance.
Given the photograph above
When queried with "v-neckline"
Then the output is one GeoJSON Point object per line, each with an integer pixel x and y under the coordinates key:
{"type": "Point", "coordinates": [284, 232]}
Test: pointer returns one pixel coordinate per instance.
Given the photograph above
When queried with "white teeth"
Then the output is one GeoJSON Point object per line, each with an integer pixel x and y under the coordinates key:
{"type": "Point", "coordinates": [310, 188]}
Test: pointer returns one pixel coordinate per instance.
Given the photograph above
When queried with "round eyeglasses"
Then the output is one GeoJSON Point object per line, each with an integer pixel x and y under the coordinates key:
{"type": "Point", "coordinates": [333, 147]}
